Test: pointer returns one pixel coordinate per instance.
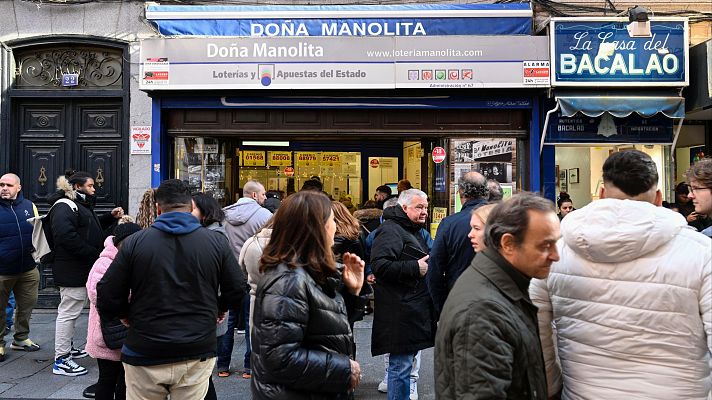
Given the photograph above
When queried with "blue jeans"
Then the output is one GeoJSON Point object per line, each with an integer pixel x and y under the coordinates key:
{"type": "Point", "coordinates": [10, 310]}
{"type": "Point", "coordinates": [399, 367]}
{"type": "Point", "coordinates": [226, 342]}
{"type": "Point", "coordinates": [246, 316]}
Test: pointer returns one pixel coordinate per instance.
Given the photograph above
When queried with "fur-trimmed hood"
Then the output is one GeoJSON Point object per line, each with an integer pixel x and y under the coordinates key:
{"type": "Point", "coordinates": [368, 214]}
{"type": "Point", "coordinates": [64, 189]}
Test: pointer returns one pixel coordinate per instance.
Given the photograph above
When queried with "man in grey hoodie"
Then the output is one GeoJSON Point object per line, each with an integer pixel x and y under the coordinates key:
{"type": "Point", "coordinates": [244, 219]}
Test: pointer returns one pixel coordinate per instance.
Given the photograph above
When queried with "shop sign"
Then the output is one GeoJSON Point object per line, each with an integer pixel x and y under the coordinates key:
{"type": "Point", "coordinates": [582, 129]}
{"type": "Point", "coordinates": [439, 214]}
{"type": "Point", "coordinates": [600, 52]}
{"type": "Point", "coordinates": [140, 140]}
{"type": "Point", "coordinates": [155, 72]}
{"type": "Point", "coordinates": [330, 160]}
{"type": "Point", "coordinates": [471, 151]}
{"type": "Point", "coordinates": [374, 163]}
{"type": "Point", "coordinates": [341, 20]}
{"type": "Point", "coordinates": [288, 171]}
{"type": "Point", "coordinates": [382, 62]}
{"type": "Point", "coordinates": [438, 155]}
{"type": "Point", "coordinates": [307, 159]}
{"type": "Point", "coordinates": [536, 72]}
{"type": "Point", "coordinates": [252, 158]}
{"type": "Point", "coordinates": [280, 158]}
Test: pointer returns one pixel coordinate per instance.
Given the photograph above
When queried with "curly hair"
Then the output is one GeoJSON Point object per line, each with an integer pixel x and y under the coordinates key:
{"type": "Point", "coordinates": [701, 172]}
{"type": "Point", "coordinates": [147, 209]}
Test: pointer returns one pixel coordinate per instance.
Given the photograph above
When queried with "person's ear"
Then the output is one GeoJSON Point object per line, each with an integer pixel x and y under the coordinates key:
{"type": "Point", "coordinates": [658, 198]}
{"type": "Point", "coordinates": [602, 192]}
{"type": "Point", "coordinates": [508, 244]}
{"type": "Point", "coordinates": [158, 209]}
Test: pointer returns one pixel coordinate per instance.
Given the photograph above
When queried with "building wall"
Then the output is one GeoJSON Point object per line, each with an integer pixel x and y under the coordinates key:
{"type": "Point", "coordinates": [115, 20]}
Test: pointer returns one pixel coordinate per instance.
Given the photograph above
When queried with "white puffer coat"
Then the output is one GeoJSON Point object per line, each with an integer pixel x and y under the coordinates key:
{"type": "Point", "coordinates": [630, 304]}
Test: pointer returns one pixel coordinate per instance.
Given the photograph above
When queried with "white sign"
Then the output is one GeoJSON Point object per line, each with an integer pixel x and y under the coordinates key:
{"type": "Point", "coordinates": [536, 72]}
{"type": "Point", "coordinates": [140, 139]}
{"type": "Point", "coordinates": [155, 72]}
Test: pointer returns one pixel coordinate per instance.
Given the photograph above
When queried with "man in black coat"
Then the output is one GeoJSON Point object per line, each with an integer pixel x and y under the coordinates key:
{"type": "Point", "coordinates": [77, 238]}
{"type": "Point", "coordinates": [173, 271]}
{"type": "Point", "coordinates": [487, 345]}
{"type": "Point", "coordinates": [452, 251]}
{"type": "Point", "coordinates": [403, 320]}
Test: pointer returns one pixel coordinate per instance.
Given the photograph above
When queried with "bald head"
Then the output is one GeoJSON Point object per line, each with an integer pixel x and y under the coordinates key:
{"type": "Point", "coordinates": [473, 186]}
{"type": "Point", "coordinates": [255, 191]}
{"type": "Point", "coordinates": [9, 186]}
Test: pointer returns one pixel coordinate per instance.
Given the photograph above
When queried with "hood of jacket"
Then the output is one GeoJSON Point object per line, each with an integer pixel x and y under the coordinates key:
{"type": "Point", "coordinates": [401, 218]}
{"type": "Point", "coordinates": [217, 227]}
{"type": "Point", "coordinates": [612, 230]}
{"type": "Point", "coordinates": [368, 214]}
{"type": "Point", "coordinates": [64, 189]}
{"type": "Point", "coordinates": [176, 223]}
{"type": "Point", "coordinates": [241, 212]}
{"type": "Point", "coordinates": [109, 249]}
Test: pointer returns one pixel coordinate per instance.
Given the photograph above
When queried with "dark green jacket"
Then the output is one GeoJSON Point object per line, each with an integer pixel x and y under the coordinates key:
{"type": "Point", "coordinates": [487, 345]}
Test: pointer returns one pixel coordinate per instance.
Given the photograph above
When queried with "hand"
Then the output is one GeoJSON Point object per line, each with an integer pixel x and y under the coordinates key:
{"type": "Point", "coordinates": [221, 317]}
{"type": "Point", "coordinates": [353, 272]}
{"type": "Point", "coordinates": [371, 278]}
{"type": "Point", "coordinates": [124, 322]}
{"type": "Point", "coordinates": [355, 375]}
{"type": "Point", "coordinates": [117, 212]}
{"type": "Point", "coordinates": [423, 265]}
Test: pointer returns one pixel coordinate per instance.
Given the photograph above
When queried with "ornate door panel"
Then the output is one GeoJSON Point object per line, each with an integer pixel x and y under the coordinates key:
{"type": "Point", "coordinates": [42, 163]}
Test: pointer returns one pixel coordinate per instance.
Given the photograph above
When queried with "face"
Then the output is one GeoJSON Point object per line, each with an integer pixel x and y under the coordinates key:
{"type": "Point", "coordinates": [701, 197]}
{"type": "Point", "coordinates": [260, 196]}
{"type": "Point", "coordinates": [682, 198]}
{"type": "Point", "coordinates": [379, 196]}
{"type": "Point", "coordinates": [417, 210]}
{"type": "Point", "coordinates": [566, 207]}
{"type": "Point", "coordinates": [9, 187]}
{"type": "Point", "coordinates": [534, 256]}
{"type": "Point", "coordinates": [477, 233]}
{"type": "Point", "coordinates": [196, 212]}
{"type": "Point", "coordinates": [330, 227]}
{"type": "Point", "coordinates": [87, 187]}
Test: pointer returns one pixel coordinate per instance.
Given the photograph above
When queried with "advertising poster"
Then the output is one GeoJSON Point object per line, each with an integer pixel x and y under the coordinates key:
{"type": "Point", "coordinates": [140, 140]}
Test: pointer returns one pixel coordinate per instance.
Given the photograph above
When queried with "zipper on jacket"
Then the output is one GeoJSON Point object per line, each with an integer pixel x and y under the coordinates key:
{"type": "Point", "coordinates": [19, 230]}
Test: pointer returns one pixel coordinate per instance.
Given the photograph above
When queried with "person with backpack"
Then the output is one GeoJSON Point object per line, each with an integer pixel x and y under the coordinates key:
{"type": "Point", "coordinates": [77, 235]}
{"type": "Point", "coordinates": [18, 271]}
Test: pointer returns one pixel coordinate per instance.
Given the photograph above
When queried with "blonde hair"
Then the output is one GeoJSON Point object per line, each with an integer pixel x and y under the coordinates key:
{"type": "Point", "coordinates": [484, 212]}
{"type": "Point", "coordinates": [346, 224]}
{"type": "Point", "coordinates": [146, 210]}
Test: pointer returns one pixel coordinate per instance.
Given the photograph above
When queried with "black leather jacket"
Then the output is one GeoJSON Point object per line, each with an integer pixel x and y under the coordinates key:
{"type": "Point", "coordinates": [301, 339]}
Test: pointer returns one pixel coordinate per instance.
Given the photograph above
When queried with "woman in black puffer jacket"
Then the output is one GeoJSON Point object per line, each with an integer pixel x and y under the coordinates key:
{"type": "Point", "coordinates": [302, 342]}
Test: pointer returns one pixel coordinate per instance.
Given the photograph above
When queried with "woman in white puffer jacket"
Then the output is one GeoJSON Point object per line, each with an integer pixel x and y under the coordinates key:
{"type": "Point", "coordinates": [628, 308]}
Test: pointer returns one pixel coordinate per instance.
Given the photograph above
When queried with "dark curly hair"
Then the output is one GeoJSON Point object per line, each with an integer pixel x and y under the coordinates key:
{"type": "Point", "coordinates": [473, 186]}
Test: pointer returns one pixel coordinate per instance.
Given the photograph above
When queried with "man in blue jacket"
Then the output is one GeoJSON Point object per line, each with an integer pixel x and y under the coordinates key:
{"type": "Point", "coordinates": [452, 251]}
{"type": "Point", "coordinates": [18, 271]}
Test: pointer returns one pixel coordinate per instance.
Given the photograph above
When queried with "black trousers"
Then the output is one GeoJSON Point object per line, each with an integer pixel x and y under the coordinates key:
{"type": "Point", "coordinates": [111, 383]}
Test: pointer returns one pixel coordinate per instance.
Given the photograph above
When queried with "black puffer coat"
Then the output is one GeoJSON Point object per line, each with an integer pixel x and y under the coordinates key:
{"type": "Point", "coordinates": [301, 339]}
{"type": "Point", "coordinates": [78, 238]}
{"type": "Point", "coordinates": [403, 320]}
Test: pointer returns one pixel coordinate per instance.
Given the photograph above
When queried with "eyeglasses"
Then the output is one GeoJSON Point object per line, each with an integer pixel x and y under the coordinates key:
{"type": "Point", "coordinates": [695, 189]}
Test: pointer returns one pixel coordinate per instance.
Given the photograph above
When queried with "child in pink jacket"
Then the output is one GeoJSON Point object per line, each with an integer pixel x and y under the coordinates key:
{"type": "Point", "coordinates": [111, 373]}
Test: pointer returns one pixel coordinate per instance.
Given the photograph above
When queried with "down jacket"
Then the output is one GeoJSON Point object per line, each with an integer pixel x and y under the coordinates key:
{"type": "Point", "coordinates": [301, 340]}
{"type": "Point", "coordinates": [77, 237]}
{"type": "Point", "coordinates": [631, 303]}
{"type": "Point", "coordinates": [95, 340]}
{"type": "Point", "coordinates": [16, 235]}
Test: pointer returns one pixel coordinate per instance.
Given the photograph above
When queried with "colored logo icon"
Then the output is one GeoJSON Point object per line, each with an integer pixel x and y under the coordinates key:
{"type": "Point", "coordinates": [427, 75]}
{"type": "Point", "coordinates": [440, 74]}
{"type": "Point", "coordinates": [467, 74]}
{"type": "Point", "coordinates": [413, 74]}
{"type": "Point", "coordinates": [453, 74]}
{"type": "Point", "coordinates": [265, 72]}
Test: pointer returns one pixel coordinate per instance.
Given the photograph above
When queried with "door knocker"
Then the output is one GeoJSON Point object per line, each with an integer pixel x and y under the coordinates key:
{"type": "Point", "coordinates": [99, 177]}
{"type": "Point", "coordinates": [42, 179]}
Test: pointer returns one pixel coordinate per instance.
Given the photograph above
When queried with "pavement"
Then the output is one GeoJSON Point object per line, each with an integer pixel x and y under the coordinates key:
{"type": "Point", "coordinates": [29, 375]}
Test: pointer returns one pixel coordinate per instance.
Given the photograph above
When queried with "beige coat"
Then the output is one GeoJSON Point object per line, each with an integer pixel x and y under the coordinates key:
{"type": "Point", "coordinates": [250, 256]}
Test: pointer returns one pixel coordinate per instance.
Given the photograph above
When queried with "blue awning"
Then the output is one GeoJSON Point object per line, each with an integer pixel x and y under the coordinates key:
{"type": "Point", "coordinates": [341, 20]}
{"type": "Point", "coordinates": [621, 104]}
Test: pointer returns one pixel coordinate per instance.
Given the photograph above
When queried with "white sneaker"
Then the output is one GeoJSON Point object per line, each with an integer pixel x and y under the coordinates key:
{"type": "Point", "coordinates": [383, 387]}
{"type": "Point", "coordinates": [413, 390]}
{"type": "Point", "coordinates": [67, 367]}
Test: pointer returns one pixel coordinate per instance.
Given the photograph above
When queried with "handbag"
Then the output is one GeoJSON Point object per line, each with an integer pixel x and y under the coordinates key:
{"type": "Point", "coordinates": [113, 332]}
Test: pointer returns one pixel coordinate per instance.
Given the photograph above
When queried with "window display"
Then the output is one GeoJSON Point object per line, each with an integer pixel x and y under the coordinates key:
{"type": "Point", "coordinates": [201, 163]}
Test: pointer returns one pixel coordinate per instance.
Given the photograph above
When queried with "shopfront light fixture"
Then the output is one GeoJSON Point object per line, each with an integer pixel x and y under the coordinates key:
{"type": "Point", "coordinates": [639, 22]}
{"type": "Point", "coordinates": [262, 143]}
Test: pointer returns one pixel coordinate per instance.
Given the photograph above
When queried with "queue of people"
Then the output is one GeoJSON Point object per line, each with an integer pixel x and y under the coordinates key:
{"type": "Point", "coordinates": [518, 301]}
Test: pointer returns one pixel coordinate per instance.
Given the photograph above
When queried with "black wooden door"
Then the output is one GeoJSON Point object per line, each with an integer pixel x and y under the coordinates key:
{"type": "Point", "coordinates": [53, 135]}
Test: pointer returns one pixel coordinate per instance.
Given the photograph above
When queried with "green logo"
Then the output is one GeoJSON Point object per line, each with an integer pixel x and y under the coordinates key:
{"type": "Point", "coordinates": [440, 74]}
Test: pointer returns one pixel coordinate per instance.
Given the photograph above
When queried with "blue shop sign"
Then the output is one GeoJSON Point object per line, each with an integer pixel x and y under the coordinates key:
{"type": "Point", "coordinates": [341, 20]}
{"type": "Point", "coordinates": [602, 53]}
{"type": "Point", "coordinates": [582, 129]}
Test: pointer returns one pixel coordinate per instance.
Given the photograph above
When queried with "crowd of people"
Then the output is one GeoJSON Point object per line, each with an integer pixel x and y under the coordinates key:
{"type": "Point", "coordinates": [612, 300]}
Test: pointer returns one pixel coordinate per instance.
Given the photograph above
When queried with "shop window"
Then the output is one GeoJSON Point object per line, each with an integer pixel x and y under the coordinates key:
{"type": "Point", "coordinates": [202, 163]}
{"type": "Point", "coordinates": [66, 67]}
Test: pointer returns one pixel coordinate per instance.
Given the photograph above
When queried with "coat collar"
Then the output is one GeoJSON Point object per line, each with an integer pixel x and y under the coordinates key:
{"type": "Point", "coordinates": [503, 275]}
